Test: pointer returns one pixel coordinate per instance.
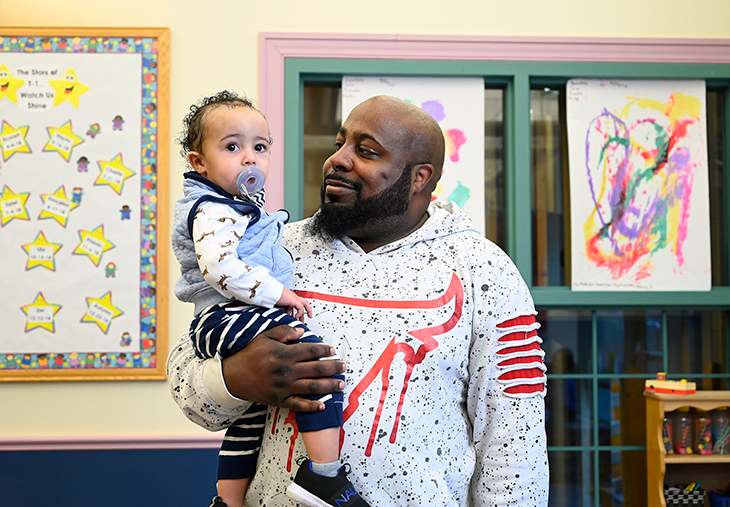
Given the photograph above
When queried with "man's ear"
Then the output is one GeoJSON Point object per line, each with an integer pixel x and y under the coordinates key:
{"type": "Point", "coordinates": [196, 162]}
{"type": "Point", "coordinates": [422, 175]}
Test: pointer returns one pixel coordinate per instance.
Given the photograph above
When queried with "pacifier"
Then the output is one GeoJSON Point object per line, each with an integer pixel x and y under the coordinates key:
{"type": "Point", "coordinates": [250, 181]}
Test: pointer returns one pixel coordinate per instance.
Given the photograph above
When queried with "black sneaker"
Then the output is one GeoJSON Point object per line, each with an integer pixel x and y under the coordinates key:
{"type": "Point", "coordinates": [316, 490]}
{"type": "Point", "coordinates": [218, 502]}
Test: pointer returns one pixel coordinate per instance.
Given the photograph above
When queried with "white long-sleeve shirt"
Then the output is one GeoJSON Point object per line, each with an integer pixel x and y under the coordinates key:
{"type": "Point", "coordinates": [217, 230]}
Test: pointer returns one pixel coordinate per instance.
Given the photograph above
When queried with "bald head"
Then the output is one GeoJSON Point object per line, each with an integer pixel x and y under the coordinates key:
{"type": "Point", "coordinates": [416, 132]}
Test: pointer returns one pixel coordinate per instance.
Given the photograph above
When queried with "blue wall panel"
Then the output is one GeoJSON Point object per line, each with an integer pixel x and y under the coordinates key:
{"type": "Point", "coordinates": [129, 478]}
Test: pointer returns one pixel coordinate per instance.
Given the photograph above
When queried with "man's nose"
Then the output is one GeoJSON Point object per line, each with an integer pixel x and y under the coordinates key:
{"type": "Point", "coordinates": [341, 160]}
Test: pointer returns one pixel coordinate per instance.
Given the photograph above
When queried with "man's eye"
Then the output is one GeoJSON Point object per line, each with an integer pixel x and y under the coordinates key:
{"type": "Point", "coordinates": [338, 146]}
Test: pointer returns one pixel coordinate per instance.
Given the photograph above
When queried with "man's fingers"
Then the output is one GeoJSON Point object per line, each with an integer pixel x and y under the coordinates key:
{"type": "Point", "coordinates": [301, 405]}
{"type": "Point", "coordinates": [271, 371]}
{"type": "Point", "coordinates": [311, 387]}
{"type": "Point", "coordinates": [302, 352]}
{"type": "Point", "coordinates": [283, 334]}
{"type": "Point", "coordinates": [317, 386]}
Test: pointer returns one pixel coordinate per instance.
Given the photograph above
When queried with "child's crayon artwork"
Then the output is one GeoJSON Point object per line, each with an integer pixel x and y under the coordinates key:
{"type": "Point", "coordinates": [83, 156]}
{"type": "Point", "coordinates": [639, 189]}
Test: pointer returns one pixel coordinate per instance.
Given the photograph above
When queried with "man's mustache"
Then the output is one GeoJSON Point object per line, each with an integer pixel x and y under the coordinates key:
{"type": "Point", "coordinates": [334, 176]}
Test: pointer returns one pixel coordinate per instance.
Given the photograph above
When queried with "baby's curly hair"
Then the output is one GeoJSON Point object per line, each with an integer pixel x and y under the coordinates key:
{"type": "Point", "coordinates": [191, 138]}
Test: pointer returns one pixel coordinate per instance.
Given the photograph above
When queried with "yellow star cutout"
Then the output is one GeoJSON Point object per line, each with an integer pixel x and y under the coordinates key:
{"type": "Point", "coordinates": [101, 311]}
{"type": "Point", "coordinates": [9, 85]}
{"type": "Point", "coordinates": [93, 244]}
{"type": "Point", "coordinates": [41, 252]}
{"type": "Point", "coordinates": [40, 313]}
{"type": "Point", "coordinates": [57, 206]}
{"type": "Point", "coordinates": [113, 173]}
{"type": "Point", "coordinates": [62, 140]}
{"type": "Point", "coordinates": [68, 88]}
{"type": "Point", "coordinates": [13, 206]}
{"type": "Point", "coordinates": [12, 140]}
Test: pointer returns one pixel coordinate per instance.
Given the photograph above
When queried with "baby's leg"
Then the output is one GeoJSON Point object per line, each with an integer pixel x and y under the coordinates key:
{"type": "Point", "coordinates": [323, 446]}
{"type": "Point", "coordinates": [321, 430]}
{"type": "Point", "coordinates": [322, 479]}
{"type": "Point", "coordinates": [232, 491]}
{"type": "Point", "coordinates": [239, 454]}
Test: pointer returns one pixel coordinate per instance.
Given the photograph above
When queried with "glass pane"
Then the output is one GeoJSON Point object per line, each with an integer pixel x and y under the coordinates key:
{"type": "Point", "coordinates": [494, 166]}
{"type": "Point", "coordinates": [697, 343]}
{"type": "Point", "coordinates": [567, 340]}
{"type": "Point", "coordinates": [322, 119]}
{"type": "Point", "coordinates": [549, 186]}
{"type": "Point", "coordinates": [621, 412]}
{"type": "Point", "coordinates": [623, 478]}
{"type": "Point", "coordinates": [715, 132]}
{"type": "Point", "coordinates": [571, 479]}
{"type": "Point", "coordinates": [568, 409]}
{"type": "Point", "coordinates": [629, 341]}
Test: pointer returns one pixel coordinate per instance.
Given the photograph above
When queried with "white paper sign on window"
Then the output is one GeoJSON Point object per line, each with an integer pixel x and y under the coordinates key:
{"type": "Point", "coordinates": [457, 104]}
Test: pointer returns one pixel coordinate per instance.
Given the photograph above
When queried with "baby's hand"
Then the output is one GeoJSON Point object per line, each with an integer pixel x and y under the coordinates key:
{"type": "Point", "coordinates": [294, 305]}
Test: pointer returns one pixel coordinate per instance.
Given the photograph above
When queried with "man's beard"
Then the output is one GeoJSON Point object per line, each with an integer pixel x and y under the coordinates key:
{"type": "Point", "coordinates": [335, 221]}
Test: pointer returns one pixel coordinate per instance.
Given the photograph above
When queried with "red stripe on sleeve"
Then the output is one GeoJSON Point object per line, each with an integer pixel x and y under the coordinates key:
{"type": "Point", "coordinates": [522, 374]}
{"type": "Point", "coordinates": [525, 389]}
{"type": "Point", "coordinates": [520, 360]}
{"type": "Point", "coordinates": [522, 348]}
{"type": "Point", "coordinates": [518, 336]}
{"type": "Point", "coordinates": [523, 320]}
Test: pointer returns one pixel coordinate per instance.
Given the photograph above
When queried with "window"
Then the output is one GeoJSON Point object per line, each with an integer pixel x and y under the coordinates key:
{"type": "Point", "coordinates": [322, 118]}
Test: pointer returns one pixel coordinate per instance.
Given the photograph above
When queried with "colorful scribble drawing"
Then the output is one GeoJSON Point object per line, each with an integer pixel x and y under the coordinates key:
{"type": "Point", "coordinates": [640, 176]}
{"type": "Point", "coordinates": [455, 138]}
{"type": "Point", "coordinates": [458, 105]}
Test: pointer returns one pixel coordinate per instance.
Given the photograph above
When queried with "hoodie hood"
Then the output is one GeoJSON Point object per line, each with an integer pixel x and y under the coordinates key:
{"type": "Point", "coordinates": [445, 219]}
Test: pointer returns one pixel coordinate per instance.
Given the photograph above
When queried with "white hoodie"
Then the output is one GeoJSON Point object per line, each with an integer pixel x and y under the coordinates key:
{"type": "Point", "coordinates": [445, 380]}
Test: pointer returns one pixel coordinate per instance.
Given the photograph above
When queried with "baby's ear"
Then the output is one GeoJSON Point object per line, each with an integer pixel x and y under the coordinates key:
{"type": "Point", "coordinates": [196, 162]}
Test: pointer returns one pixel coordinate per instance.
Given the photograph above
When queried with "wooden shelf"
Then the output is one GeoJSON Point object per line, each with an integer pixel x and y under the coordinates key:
{"type": "Point", "coordinates": [696, 458]}
{"type": "Point", "coordinates": [712, 471]}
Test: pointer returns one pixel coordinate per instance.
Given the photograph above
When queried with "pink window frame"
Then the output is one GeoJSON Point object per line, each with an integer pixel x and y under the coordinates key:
{"type": "Point", "coordinates": [275, 48]}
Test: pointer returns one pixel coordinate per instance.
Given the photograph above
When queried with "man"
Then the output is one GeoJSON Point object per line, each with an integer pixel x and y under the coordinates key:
{"type": "Point", "coordinates": [445, 375]}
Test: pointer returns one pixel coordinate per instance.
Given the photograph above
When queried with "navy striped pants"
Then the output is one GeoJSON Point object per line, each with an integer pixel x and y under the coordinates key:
{"type": "Point", "coordinates": [227, 328]}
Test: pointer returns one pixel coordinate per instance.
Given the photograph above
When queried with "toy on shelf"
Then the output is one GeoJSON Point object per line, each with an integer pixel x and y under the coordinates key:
{"type": "Point", "coordinates": [662, 385]}
{"type": "Point", "coordinates": [721, 431]}
{"type": "Point", "coordinates": [683, 431]}
{"type": "Point", "coordinates": [667, 434]}
{"type": "Point", "coordinates": [703, 432]}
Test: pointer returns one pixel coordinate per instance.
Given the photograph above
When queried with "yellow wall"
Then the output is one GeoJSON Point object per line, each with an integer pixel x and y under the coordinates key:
{"type": "Point", "coordinates": [214, 45]}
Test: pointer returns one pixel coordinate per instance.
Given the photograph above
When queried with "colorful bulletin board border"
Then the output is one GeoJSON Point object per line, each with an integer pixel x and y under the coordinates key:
{"type": "Point", "coordinates": [148, 363]}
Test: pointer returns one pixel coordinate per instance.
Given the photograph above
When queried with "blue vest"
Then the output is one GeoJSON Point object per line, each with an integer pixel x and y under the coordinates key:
{"type": "Point", "coordinates": [260, 245]}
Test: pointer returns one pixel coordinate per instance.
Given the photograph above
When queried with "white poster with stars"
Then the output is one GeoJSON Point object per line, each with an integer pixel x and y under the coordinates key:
{"type": "Point", "coordinates": [73, 214]}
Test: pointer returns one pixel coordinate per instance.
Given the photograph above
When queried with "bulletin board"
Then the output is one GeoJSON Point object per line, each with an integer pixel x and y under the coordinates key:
{"type": "Point", "coordinates": [83, 203]}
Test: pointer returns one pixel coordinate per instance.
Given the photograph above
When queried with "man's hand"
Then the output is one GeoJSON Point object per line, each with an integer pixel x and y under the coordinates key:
{"type": "Point", "coordinates": [272, 372]}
